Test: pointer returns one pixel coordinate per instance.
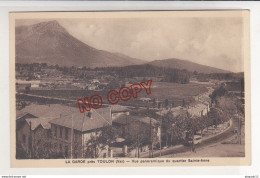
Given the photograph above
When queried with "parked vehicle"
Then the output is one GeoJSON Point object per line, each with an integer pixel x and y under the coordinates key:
{"type": "Point", "coordinates": [197, 139]}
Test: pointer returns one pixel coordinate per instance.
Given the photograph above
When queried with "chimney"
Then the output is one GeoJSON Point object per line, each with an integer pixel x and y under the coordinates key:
{"type": "Point", "coordinates": [89, 114]}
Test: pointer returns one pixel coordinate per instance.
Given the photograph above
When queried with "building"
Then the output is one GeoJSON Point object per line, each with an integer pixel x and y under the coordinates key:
{"type": "Point", "coordinates": [70, 133]}
{"type": "Point", "coordinates": [59, 130]}
{"type": "Point", "coordinates": [131, 126]}
{"type": "Point", "coordinates": [31, 131]}
{"type": "Point", "coordinates": [199, 110]}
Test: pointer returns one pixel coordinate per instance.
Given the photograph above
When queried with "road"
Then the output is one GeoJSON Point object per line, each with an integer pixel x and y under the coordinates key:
{"type": "Point", "coordinates": [181, 148]}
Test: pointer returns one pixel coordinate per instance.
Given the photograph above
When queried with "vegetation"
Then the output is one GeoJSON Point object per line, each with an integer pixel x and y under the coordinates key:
{"type": "Point", "coordinates": [100, 141]}
{"type": "Point", "coordinates": [167, 74]}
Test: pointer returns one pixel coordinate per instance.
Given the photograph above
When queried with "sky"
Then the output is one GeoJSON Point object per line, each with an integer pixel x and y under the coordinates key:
{"type": "Point", "coordinates": [215, 42]}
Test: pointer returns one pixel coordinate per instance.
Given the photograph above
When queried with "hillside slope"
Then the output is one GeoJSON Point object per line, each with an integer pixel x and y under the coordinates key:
{"type": "Point", "coordinates": [49, 42]}
{"type": "Point", "coordinates": [183, 64]}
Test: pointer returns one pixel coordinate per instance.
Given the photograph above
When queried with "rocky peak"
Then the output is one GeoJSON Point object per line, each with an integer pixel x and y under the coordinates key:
{"type": "Point", "coordinates": [53, 26]}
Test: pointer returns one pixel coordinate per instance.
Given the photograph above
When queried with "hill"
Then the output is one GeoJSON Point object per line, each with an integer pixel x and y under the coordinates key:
{"type": "Point", "coordinates": [183, 64]}
{"type": "Point", "coordinates": [49, 42]}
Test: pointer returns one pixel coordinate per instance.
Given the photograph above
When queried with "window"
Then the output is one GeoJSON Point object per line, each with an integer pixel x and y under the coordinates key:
{"type": "Point", "coordinates": [66, 151]}
{"type": "Point", "coordinates": [55, 131]}
{"type": "Point", "coordinates": [24, 138]}
{"type": "Point", "coordinates": [66, 133]}
{"type": "Point", "coordinates": [60, 132]}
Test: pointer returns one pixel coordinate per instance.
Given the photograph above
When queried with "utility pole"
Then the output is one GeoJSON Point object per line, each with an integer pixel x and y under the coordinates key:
{"type": "Point", "coordinates": [30, 141]}
{"type": "Point", "coordinates": [138, 146]}
{"type": "Point", "coordinates": [83, 139]}
{"type": "Point", "coordinates": [239, 125]}
{"type": "Point", "coordinates": [151, 139]}
{"type": "Point", "coordinates": [72, 135]}
{"type": "Point", "coordinates": [161, 134]}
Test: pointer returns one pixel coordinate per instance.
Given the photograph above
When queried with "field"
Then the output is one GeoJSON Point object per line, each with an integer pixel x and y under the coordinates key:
{"type": "Point", "coordinates": [174, 92]}
{"type": "Point", "coordinates": [163, 90]}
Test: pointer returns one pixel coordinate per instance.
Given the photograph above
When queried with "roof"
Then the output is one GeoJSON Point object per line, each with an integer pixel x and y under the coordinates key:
{"type": "Point", "coordinates": [84, 122]}
{"type": "Point", "coordinates": [119, 108]}
{"type": "Point", "coordinates": [197, 109]}
{"type": "Point", "coordinates": [21, 114]}
{"type": "Point", "coordinates": [177, 111]}
{"type": "Point", "coordinates": [145, 120]}
{"type": "Point", "coordinates": [125, 119]}
{"type": "Point", "coordinates": [35, 122]}
{"type": "Point", "coordinates": [45, 111]}
{"type": "Point", "coordinates": [120, 118]}
{"type": "Point", "coordinates": [62, 115]}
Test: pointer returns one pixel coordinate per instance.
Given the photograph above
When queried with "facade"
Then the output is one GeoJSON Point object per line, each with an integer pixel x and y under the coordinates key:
{"type": "Point", "coordinates": [31, 132]}
{"type": "Point", "coordinates": [132, 126]}
{"type": "Point", "coordinates": [71, 133]}
{"type": "Point", "coordinates": [58, 131]}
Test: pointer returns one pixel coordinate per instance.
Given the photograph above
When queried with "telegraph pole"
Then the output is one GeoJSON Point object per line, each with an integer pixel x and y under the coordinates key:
{"type": "Point", "coordinates": [30, 141]}
{"type": "Point", "coordinates": [71, 152]}
{"type": "Point", "coordinates": [161, 133]}
{"type": "Point", "coordinates": [151, 139]}
{"type": "Point", "coordinates": [239, 125]}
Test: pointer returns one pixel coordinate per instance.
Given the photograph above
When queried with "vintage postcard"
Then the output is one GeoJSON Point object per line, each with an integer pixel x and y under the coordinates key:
{"type": "Point", "coordinates": [141, 88]}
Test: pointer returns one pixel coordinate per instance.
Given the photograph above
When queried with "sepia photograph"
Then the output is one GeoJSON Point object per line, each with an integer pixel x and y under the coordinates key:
{"type": "Point", "coordinates": [130, 88]}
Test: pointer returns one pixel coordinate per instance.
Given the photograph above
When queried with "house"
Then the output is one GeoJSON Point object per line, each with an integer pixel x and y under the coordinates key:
{"type": "Point", "coordinates": [131, 126]}
{"type": "Point", "coordinates": [199, 110]}
{"type": "Point", "coordinates": [70, 133]}
{"type": "Point", "coordinates": [31, 131]}
{"type": "Point", "coordinates": [32, 125]}
{"type": "Point", "coordinates": [137, 130]}
{"type": "Point", "coordinates": [62, 128]}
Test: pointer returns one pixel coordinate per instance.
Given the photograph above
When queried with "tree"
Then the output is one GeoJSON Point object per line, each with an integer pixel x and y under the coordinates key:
{"type": "Point", "coordinates": [167, 126]}
{"type": "Point", "coordinates": [193, 125]}
{"type": "Point", "coordinates": [221, 91]}
{"type": "Point", "coordinates": [174, 128]}
{"type": "Point", "coordinates": [42, 146]}
{"type": "Point", "coordinates": [140, 136]}
{"type": "Point", "coordinates": [99, 141]}
{"type": "Point", "coordinates": [43, 149]}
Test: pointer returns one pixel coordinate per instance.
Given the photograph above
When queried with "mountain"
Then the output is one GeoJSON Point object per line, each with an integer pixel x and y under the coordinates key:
{"type": "Point", "coordinates": [49, 42]}
{"type": "Point", "coordinates": [183, 64]}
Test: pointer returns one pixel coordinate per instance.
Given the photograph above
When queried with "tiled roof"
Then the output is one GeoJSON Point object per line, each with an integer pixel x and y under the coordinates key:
{"type": "Point", "coordinates": [83, 122]}
{"type": "Point", "coordinates": [51, 110]}
{"type": "Point", "coordinates": [62, 115]}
